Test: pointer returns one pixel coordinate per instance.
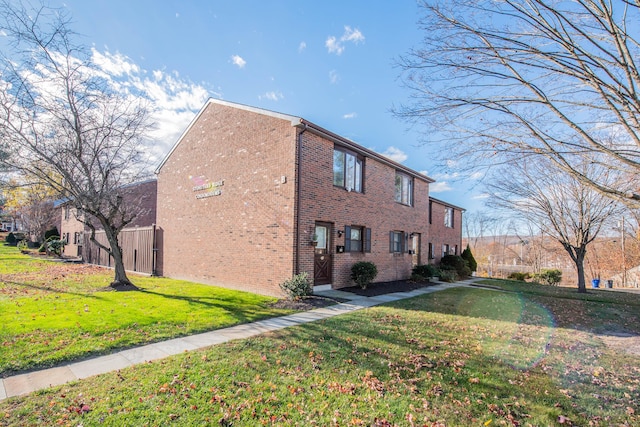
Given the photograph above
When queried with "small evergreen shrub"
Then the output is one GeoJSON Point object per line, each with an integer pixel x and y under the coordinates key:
{"type": "Point", "coordinates": [457, 263]}
{"type": "Point", "coordinates": [449, 276]}
{"type": "Point", "coordinates": [517, 275]}
{"type": "Point", "coordinates": [468, 256]}
{"type": "Point", "coordinates": [52, 232]}
{"type": "Point", "coordinates": [23, 246]}
{"type": "Point", "coordinates": [54, 245]}
{"type": "Point", "coordinates": [550, 277]}
{"type": "Point", "coordinates": [297, 287]}
{"type": "Point", "coordinates": [425, 270]}
{"type": "Point", "coordinates": [11, 239]}
{"type": "Point", "coordinates": [363, 273]}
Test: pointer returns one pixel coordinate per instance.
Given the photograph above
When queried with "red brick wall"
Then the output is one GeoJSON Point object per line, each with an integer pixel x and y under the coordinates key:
{"type": "Point", "coordinates": [375, 208]}
{"type": "Point", "coordinates": [440, 235]}
{"type": "Point", "coordinates": [242, 238]}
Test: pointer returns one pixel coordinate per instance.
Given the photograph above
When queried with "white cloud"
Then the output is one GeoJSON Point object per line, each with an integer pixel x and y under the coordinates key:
{"type": "Point", "coordinates": [302, 46]}
{"type": "Point", "coordinates": [237, 60]}
{"type": "Point", "coordinates": [335, 45]}
{"type": "Point", "coordinates": [352, 35]}
{"type": "Point", "coordinates": [395, 154]}
{"type": "Point", "coordinates": [481, 196]}
{"type": "Point", "coordinates": [173, 101]}
{"type": "Point", "coordinates": [114, 64]}
{"type": "Point", "coordinates": [350, 116]}
{"type": "Point", "coordinates": [272, 96]}
{"type": "Point", "coordinates": [439, 187]}
{"type": "Point", "coordinates": [3, 33]}
{"type": "Point", "coordinates": [334, 77]}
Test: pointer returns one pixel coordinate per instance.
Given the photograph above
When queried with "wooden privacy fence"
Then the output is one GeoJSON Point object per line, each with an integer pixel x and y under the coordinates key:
{"type": "Point", "coordinates": [138, 249]}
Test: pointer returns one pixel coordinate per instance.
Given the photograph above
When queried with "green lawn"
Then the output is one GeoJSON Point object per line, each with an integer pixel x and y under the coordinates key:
{"type": "Point", "coordinates": [534, 356]}
{"type": "Point", "coordinates": [52, 312]}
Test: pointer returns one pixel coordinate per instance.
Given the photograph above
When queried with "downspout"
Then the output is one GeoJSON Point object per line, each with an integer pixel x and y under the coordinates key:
{"type": "Point", "coordinates": [297, 209]}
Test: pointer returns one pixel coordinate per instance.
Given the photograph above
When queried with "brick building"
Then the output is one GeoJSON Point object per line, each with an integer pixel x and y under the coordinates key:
{"type": "Point", "coordinates": [140, 199]}
{"type": "Point", "coordinates": [248, 197]}
{"type": "Point", "coordinates": [445, 230]}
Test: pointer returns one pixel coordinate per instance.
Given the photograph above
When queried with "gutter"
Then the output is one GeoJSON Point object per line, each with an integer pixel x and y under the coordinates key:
{"type": "Point", "coordinates": [298, 176]}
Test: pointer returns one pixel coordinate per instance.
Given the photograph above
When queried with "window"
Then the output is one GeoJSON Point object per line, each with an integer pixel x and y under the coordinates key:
{"type": "Point", "coordinates": [445, 250]}
{"type": "Point", "coordinates": [432, 251]}
{"type": "Point", "coordinates": [66, 212]}
{"type": "Point", "coordinates": [397, 242]}
{"type": "Point", "coordinates": [404, 189]}
{"type": "Point", "coordinates": [357, 239]}
{"type": "Point", "coordinates": [430, 211]}
{"type": "Point", "coordinates": [448, 217]}
{"type": "Point", "coordinates": [347, 170]}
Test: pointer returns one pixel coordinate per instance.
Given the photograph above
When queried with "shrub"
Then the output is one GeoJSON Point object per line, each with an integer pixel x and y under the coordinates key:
{"type": "Point", "coordinates": [447, 275]}
{"type": "Point", "coordinates": [517, 275]}
{"type": "Point", "coordinates": [23, 246]}
{"type": "Point", "coordinates": [363, 273]}
{"type": "Point", "coordinates": [548, 277]}
{"type": "Point", "coordinates": [53, 232]}
{"type": "Point", "coordinates": [455, 262]}
{"type": "Point", "coordinates": [296, 287]}
{"type": "Point", "coordinates": [425, 270]}
{"type": "Point", "coordinates": [11, 239]}
{"type": "Point", "coordinates": [54, 245]}
{"type": "Point", "coordinates": [468, 256]}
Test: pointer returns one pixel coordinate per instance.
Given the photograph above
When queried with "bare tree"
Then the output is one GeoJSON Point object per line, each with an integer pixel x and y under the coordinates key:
{"type": "Point", "coordinates": [499, 80]}
{"type": "Point", "coordinates": [33, 203]}
{"type": "Point", "coordinates": [561, 206]}
{"type": "Point", "coordinates": [67, 123]}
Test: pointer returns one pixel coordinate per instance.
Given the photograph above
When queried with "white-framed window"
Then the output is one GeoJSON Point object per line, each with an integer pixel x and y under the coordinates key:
{"type": "Point", "coordinates": [448, 217]}
{"type": "Point", "coordinates": [404, 189]}
{"type": "Point", "coordinates": [347, 170]}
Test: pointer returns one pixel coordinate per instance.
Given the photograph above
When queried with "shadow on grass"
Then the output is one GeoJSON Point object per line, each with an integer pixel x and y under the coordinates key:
{"type": "Point", "coordinates": [52, 290]}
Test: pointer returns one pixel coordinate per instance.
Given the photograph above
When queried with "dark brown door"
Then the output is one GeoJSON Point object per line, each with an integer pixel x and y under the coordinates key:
{"type": "Point", "coordinates": [322, 271]}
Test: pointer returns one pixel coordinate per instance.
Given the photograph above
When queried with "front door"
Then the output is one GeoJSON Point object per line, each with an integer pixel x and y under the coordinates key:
{"type": "Point", "coordinates": [415, 247]}
{"type": "Point", "coordinates": [322, 271]}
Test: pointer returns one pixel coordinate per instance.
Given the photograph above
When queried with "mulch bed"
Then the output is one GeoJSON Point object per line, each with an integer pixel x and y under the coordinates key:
{"type": "Point", "coordinates": [306, 303]}
{"type": "Point", "coordinates": [382, 288]}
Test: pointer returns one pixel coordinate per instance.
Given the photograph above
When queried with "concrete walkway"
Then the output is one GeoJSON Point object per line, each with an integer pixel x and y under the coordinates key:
{"type": "Point", "coordinates": [26, 383]}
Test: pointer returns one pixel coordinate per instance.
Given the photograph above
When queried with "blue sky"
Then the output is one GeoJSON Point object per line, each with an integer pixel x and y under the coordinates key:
{"type": "Point", "coordinates": [331, 62]}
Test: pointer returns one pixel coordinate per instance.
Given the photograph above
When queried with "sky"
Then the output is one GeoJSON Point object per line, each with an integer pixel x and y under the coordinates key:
{"type": "Point", "coordinates": [330, 62]}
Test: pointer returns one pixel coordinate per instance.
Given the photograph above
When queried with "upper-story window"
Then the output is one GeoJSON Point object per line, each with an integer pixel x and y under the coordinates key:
{"type": "Point", "coordinates": [404, 189]}
{"type": "Point", "coordinates": [347, 170]}
{"type": "Point", "coordinates": [448, 217]}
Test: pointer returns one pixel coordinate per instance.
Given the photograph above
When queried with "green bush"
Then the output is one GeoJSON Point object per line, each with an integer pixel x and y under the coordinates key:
{"type": "Point", "coordinates": [11, 239]}
{"type": "Point", "coordinates": [296, 287]}
{"type": "Point", "coordinates": [52, 232]}
{"type": "Point", "coordinates": [447, 275]}
{"type": "Point", "coordinates": [468, 256]}
{"type": "Point", "coordinates": [55, 245]}
{"type": "Point", "coordinates": [455, 262]}
{"type": "Point", "coordinates": [517, 275]}
{"type": "Point", "coordinates": [363, 273]}
{"type": "Point", "coordinates": [425, 270]}
{"type": "Point", "coordinates": [550, 277]}
{"type": "Point", "coordinates": [23, 246]}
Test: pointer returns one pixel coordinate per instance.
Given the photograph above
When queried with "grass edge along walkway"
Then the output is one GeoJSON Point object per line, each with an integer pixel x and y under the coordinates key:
{"type": "Point", "coordinates": [22, 384]}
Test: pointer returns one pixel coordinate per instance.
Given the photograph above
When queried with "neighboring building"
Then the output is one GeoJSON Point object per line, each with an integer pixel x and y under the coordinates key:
{"type": "Point", "coordinates": [445, 230]}
{"type": "Point", "coordinates": [141, 197]}
{"type": "Point", "coordinates": [247, 198]}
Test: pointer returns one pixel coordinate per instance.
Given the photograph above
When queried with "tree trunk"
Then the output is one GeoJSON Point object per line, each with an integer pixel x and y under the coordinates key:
{"type": "Point", "coordinates": [120, 282]}
{"type": "Point", "coordinates": [579, 261]}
